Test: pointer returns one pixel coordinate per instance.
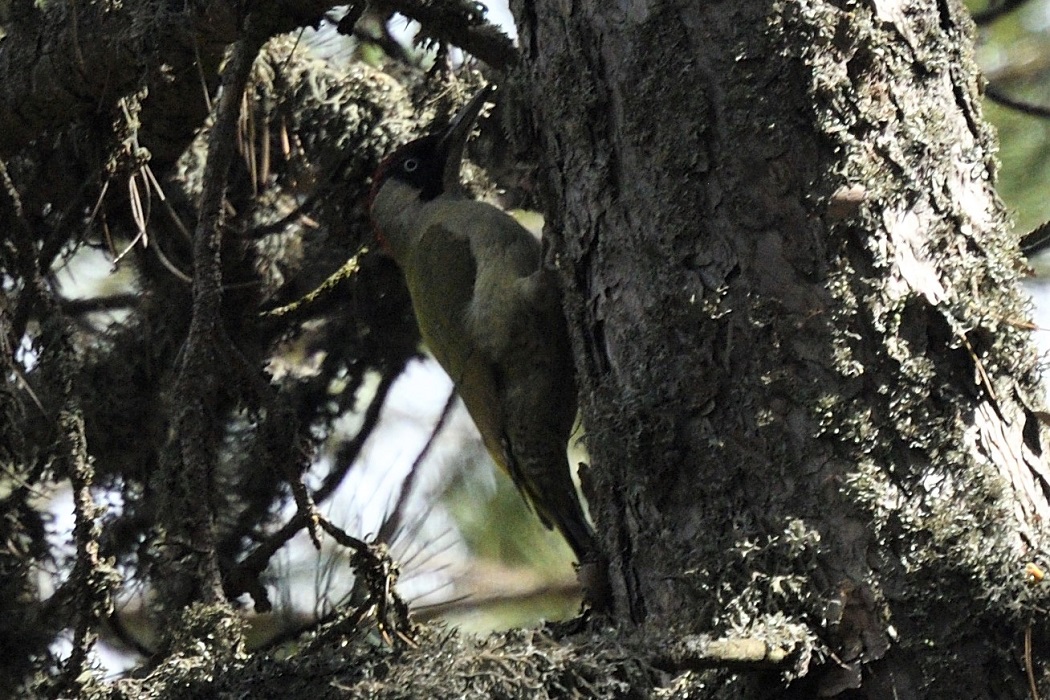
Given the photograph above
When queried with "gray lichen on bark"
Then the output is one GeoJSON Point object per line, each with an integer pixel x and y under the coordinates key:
{"type": "Point", "coordinates": [798, 323]}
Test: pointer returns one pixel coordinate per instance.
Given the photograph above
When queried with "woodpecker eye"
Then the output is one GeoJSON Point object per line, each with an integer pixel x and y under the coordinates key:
{"type": "Point", "coordinates": [410, 165]}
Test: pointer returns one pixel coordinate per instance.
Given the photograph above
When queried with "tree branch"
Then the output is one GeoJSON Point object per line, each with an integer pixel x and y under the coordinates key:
{"type": "Point", "coordinates": [79, 56]}
{"type": "Point", "coordinates": [995, 94]}
{"type": "Point", "coordinates": [461, 24]}
{"type": "Point", "coordinates": [995, 10]}
{"type": "Point", "coordinates": [392, 522]}
{"type": "Point", "coordinates": [189, 518]}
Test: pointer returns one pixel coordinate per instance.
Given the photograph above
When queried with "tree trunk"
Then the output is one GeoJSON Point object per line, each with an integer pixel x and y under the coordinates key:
{"type": "Point", "coordinates": [810, 396]}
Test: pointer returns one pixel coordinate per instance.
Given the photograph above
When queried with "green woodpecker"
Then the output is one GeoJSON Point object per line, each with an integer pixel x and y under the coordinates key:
{"type": "Point", "coordinates": [490, 314]}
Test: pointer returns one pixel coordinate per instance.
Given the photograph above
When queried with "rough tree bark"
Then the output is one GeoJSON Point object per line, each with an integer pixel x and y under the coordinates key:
{"type": "Point", "coordinates": [811, 401]}
{"type": "Point", "coordinates": [808, 386]}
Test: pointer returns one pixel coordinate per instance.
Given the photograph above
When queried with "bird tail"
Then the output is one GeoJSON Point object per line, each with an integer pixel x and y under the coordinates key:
{"type": "Point", "coordinates": [552, 494]}
{"type": "Point", "coordinates": [578, 533]}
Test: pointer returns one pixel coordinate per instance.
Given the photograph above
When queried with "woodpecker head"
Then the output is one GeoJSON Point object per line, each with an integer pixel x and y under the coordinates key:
{"type": "Point", "coordinates": [424, 169]}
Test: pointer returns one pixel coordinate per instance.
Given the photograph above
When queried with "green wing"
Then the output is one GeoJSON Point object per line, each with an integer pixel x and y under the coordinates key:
{"type": "Point", "coordinates": [441, 283]}
{"type": "Point", "coordinates": [442, 288]}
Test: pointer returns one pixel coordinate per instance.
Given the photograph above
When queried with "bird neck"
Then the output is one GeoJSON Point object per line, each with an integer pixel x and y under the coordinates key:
{"type": "Point", "coordinates": [396, 206]}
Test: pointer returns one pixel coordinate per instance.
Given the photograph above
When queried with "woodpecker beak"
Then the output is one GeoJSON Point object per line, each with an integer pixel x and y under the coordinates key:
{"type": "Point", "coordinates": [454, 137]}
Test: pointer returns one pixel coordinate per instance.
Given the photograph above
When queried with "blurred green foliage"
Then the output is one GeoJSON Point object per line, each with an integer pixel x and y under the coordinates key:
{"type": "Point", "coordinates": [498, 524]}
{"type": "Point", "coordinates": [501, 530]}
{"type": "Point", "coordinates": [1014, 54]}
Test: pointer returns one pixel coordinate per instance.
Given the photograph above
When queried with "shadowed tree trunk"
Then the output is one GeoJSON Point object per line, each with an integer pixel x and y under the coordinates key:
{"type": "Point", "coordinates": [808, 387]}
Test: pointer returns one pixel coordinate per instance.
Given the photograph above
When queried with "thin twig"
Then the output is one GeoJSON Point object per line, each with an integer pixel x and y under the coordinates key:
{"type": "Point", "coordinates": [345, 272]}
{"type": "Point", "coordinates": [996, 95]}
{"type": "Point", "coordinates": [347, 455]}
{"type": "Point", "coordinates": [75, 307]}
{"type": "Point", "coordinates": [1028, 667]}
{"type": "Point", "coordinates": [986, 381]}
{"type": "Point", "coordinates": [996, 10]}
{"type": "Point", "coordinates": [393, 521]}
{"type": "Point", "coordinates": [245, 577]}
{"type": "Point", "coordinates": [471, 602]}
{"type": "Point", "coordinates": [200, 73]}
{"type": "Point", "coordinates": [306, 506]}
